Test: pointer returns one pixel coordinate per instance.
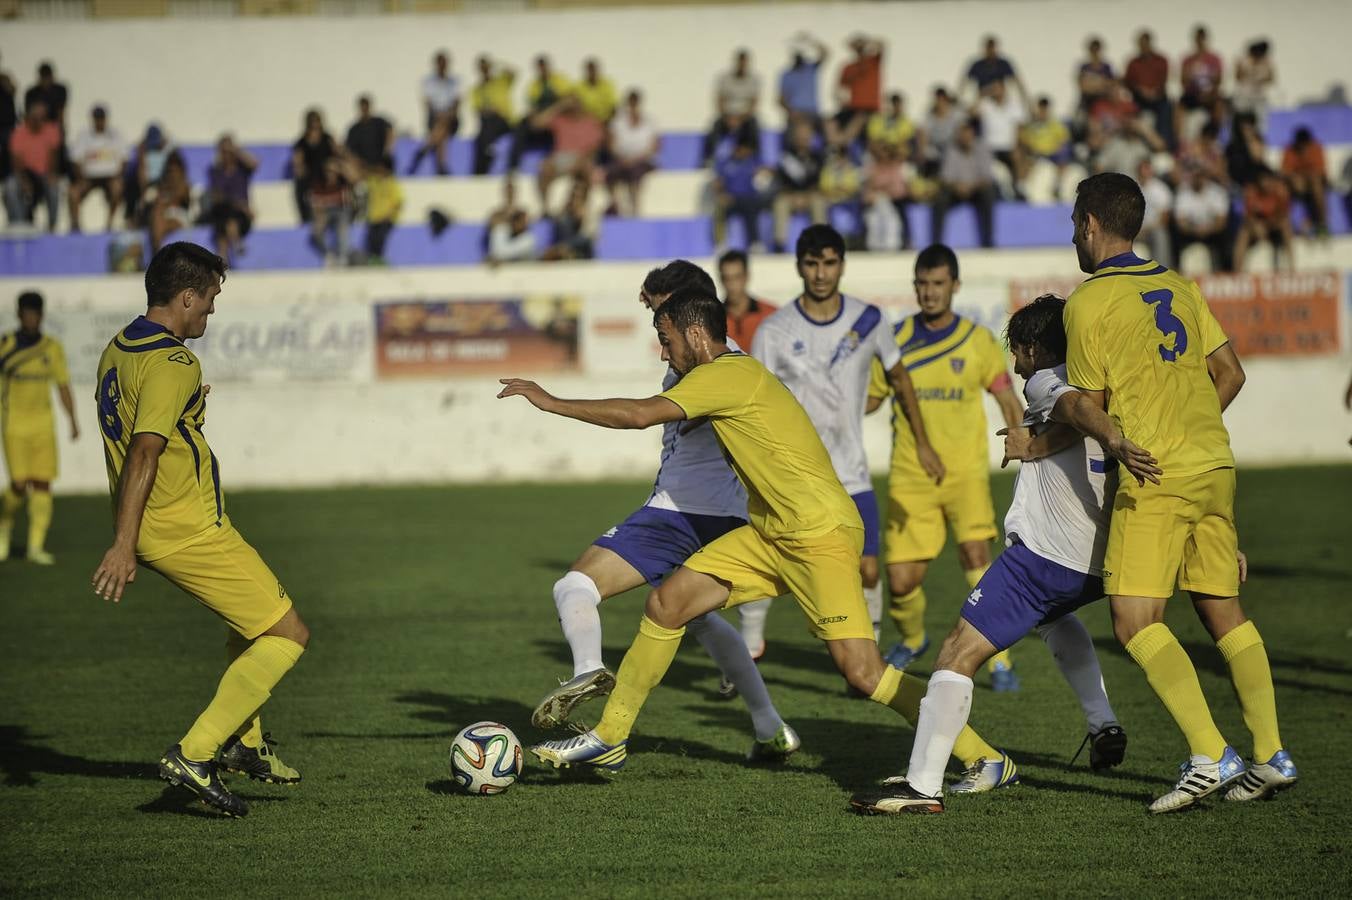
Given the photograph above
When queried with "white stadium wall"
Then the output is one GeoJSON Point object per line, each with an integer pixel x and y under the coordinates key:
{"type": "Point", "coordinates": [254, 76]}
{"type": "Point", "coordinates": [308, 391]}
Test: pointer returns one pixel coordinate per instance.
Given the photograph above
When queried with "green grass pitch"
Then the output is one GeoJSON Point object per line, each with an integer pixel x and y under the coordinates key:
{"type": "Point", "coordinates": [430, 609]}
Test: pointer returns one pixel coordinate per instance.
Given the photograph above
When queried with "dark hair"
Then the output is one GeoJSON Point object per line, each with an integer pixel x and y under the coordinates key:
{"type": "Point", "coordinates": [1259, 48]}
{"type": "Point", "coordinates": [45, 70]}
{"type": "Point", "coordinates": [734, 256]}
{"type": "Point", "coordinates": [936, 255]}
{"type": "Point", "coordinates": [691, 306]}
{"type": "Point", "coordinates": [676, 276]}
{"type": "Point", "coordinates": [30, 300]}
{"type": "Point", "coordinates": [1115, 200]}
{"type": "Point", "coordinates": [1039, 326]}
{"type": "Point", "coordinates": [178, 267]}
{"type": "Point", "coordinates": [1302, 136]}
{"type": "Point", "coordinates": [816, 239]}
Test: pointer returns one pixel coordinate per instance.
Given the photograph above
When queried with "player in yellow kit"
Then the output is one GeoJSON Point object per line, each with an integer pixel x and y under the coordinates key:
{"type": "Point", "coordinates": [804, 537]}
{"type": "Point", "coordinates": [169, 516]}
{"type": "Point", "coordinates": [1143, 344]}
{"type": "Point", "coordinates": [953, 362]}
{"type": "Point", "coordinates": [30, 363]}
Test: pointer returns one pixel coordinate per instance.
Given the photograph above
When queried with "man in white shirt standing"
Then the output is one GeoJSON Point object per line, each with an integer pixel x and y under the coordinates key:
{"type": "Point", "coordinates": [634, 142]}
{"type": "Point", "coordinates": [441, 100]}
{"type": "Point", "coordinates": [1002, 115]}
{"type": "Point", "coordinates": [1201, 214]}
{"type": "Point", "coordinates": [96, 158]}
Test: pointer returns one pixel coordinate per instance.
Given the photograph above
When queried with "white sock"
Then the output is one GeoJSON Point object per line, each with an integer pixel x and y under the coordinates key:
{"type": "Point", "coordinates": [722, 642]}
{"type": "Point", "coordinates": [943, 714]}
{"type": "Point", "coordinates": [577, 599]}
{"type": "Point", "coordinates": [1073, 650]}
{"type": "Point", "coordinates": [873, 596]}
{"type": "Point", "coordinates": [753, 617]}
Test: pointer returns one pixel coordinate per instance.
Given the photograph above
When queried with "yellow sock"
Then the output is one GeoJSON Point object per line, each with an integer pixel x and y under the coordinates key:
{"type": "Point", "coordinates": [250, 733]}
{"type": "Point", "coordinates": [10, 501]}
{"type": "Point", "coordinates": [903, 693]}
{"type": "Point", "coordinates": [647, 661]}
{"type": "Point", "coordinates": [908, 612]}
{"type": "Point", "coordinates": [39, 519]}
{"type": "Point", "coordinates": [246, 686]}
{"type": "Point", "coordinates": [1247, 657]}
{"type": "Point", "coordinates": [1174, 680]}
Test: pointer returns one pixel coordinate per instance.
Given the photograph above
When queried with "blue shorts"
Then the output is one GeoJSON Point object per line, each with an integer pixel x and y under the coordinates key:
{"type": "Point", "coordinates": [655, 541]}
{"type": "Point", "coordinates": [868, 511]}
{"type": "Point", "coordinates": [1022, 590]}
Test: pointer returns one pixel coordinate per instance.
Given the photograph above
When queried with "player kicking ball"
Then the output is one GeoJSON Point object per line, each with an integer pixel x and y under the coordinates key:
{"type": "Point", "coordinates": [1056, 532]}
{"type": "Point", "coordinates": [695, 499]}
{"type": "Point", "coordinates": [169, 516]}
{"type": "Point", "coordinates": [804, 537]}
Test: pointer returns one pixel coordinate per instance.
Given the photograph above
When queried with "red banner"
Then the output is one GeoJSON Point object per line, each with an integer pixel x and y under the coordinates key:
{"type": "Point", "coordinates": [421, 338]}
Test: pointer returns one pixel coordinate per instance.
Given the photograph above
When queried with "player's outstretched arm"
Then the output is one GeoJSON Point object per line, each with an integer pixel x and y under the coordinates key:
{"type": "Point", "coordinates": [900, 380]}
{"type": "Point", "coordinates": [615, 413]}
{"type": "Point", "coordinates": [118, 568]}
{"type": "Point", "coordinates": [1084, 411]}
{"type": "Point", "coordinates": [1226, 373]}
{"type": "Point", "coordinates": [1023, 445]}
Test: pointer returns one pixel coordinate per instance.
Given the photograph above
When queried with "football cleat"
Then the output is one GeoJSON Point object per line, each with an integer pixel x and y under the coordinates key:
{"type": "Point", "coordinates": [41, 557]}
{"type": "Point", "coordinates": [202, 779]}
{"type": "Point", "coordinates": [1107, 747]}
{"type": "Point", "coordinates": [1262, 781]}
{"type": "Point", "coordinates": [558, 705]}
{"type": "Point", "coordinates": [584, 750]}
{"type": "Point", "coordinates": [778, 748]}
{"type": "Point", "coordinates": [259, 763]}
{"type": "Point", "coordinates": [900, 656]}
{"type": "Point", "coordinates": [1200, 777]}
{"type": "Point", "coordinates": [1003, 679]}
{"type": "Point", "coordinates": [894, 797]}
{"type": "Point", "coordinates": [987, 775]}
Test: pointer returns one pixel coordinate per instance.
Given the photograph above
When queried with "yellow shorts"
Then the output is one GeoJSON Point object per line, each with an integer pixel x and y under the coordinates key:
{"type": "Point", "coordinates": [30, 455]}
{"type": "Point", "coordinates": [822, 573]}
{"type": "Point", "coordinates": [1181, 532]}
{"type": "Point", "coordinates": [228, 577]}
{"type": "Point", "coordinates": [920, 514]}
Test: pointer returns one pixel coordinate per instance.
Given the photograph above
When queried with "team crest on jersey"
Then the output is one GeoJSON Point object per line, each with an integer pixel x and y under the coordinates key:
{"type": "Point", "coordinates": [799, 348]}
{"type": "Point", "coordinates": [974, 597]}
{"type": "Point", "coordinates": [957, 363]}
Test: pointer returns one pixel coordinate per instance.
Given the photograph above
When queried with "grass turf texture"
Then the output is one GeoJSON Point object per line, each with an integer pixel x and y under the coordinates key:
{"type": "Point", "coordinates": [430, 609]}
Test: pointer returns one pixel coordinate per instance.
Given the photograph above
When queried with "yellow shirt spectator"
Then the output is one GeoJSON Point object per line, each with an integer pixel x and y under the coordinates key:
{"type": "Point", "coordinates": [495, 95]}
{"type": "Point", "coordinates": [599, 98]}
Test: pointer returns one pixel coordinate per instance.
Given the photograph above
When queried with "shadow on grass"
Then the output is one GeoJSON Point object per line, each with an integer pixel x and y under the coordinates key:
{"type": "Point", "coordinates": [22, 758]}
{"type": "Point", "coordinates": [179, 801]}
{"type": "Point", "coordinates": [1269, 570]}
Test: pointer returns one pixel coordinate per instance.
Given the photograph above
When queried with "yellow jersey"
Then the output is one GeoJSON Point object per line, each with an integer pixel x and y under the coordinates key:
{"type": "Point", "coordinates": [495, 94]}
{"type": "Point", "coordinates": [952, 369]}
{"type": "Point", "coordinates": [29, 366]}
{"type": "Point", "coordinates": [792, 489]}
{"type": "Point", "coordinates": [149, 382]}
{"type": "Point", "coordinates": [1141, 333]}
{"type": "Point", "coordinates": [597, 99]}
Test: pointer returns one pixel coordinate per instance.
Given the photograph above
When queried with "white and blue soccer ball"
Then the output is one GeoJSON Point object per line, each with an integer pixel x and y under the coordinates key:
{"type": "Point", "coordinates": [485, 758]}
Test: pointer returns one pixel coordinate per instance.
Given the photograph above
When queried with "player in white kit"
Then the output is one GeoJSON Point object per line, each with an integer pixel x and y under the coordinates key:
{"type": "Point", "coordinates": [822, 346]}
{"type": "Point", "coordinates": [1055, 535]}
{"type": "Point", "coordinates": [696, 498]}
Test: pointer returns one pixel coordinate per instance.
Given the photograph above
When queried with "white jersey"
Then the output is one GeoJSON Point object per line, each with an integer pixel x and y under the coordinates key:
{"type": "Point", "coordinates": [1062, 502]}
{"type": "Point", "coordinates": [827, 366]}
{"type": "Point", "coordinates": [695, 476]}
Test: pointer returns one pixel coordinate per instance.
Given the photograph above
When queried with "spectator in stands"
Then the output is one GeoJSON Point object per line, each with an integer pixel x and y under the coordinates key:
{"type": "Point", "coordinates": [440, 92]}
{"type": "Point", "coordinates": [511, 239]}
{"type": "Point", "coordinates": [576, 138]}
{"type": "Point", "coordinates": [384, 200]}
{"type": "Point", "coordinates": [9, 119]}
{"type": "Point", "coordinates": [1246, 154]}
{"type": "Point", "coordinates": [309, 156]}
{"type": "Point", "coordinates": [1345, 187]}
{"type": "Point", "coordinates": [1096, 78]}
{"type": "Point", "coordinates": [596, 93]}
{"type": "Point", "coordinates": [574, 226]}
{"type": "Point", "coordinates": [545, 90]}
{"type": "Point", "coordinates": [797, 183]}
{"type": "Point", "coordinates": [1206, 154]}
{"type": "Point", "coordinates": [1267, 216]}
{"type": "Point", "coordinates": [1201, 214]}
{"type": "Point", "coordinates": [941, 126]}
{"type": "Point", "coordinates": [798, 95]}
{"type": "Point", "coordinates": [492, 101]}
{"type": "Point", "coordinates": [331, 203]}
{"type": "Point", "coordinates": [859, 91]}
{"type": "Point", "coordinates": [886, 198]}
{"type": "Point", "coordinates": [34, 150]}
{"type": "Point", "coordinates": [634, 142]}
{"type": "Point", "coordinates": [990, 67]}
{"type": "Point", "coordinates": [371, 137]}
{"type": "Point", "coordinates": [1159, 200]}
{"type": "Point", "coordinates": [891, 127]}
{"type": "Point", "coordinates": [745, 312]}
{"type": "Point", "coordinates": [153, 156]}
{"type": "Point", "coordinates": [1147, 77]}
{"type": "Point", "coordinates": [737, 193]}
{"type": "Point", "coordinates": [97, 158]}
{"type": "Point", "coordinates": [1306, 172]}
{"type": "Point", "coordinates": [170, 209]}
{"type": "Point", "coordinates": [51, 93]}
{"type": "Point", "coordinates": [1002, 115]}
{"type": "Point", "coordinates": [1124, 147]}
{"type": "Point", "coordinates": [966, 176]}
{"type": "Point", "coordinates": [227, 200]}
{"type": "Point", "coordinates": [841, 184]}
{"type": "Point", "coordinates": [1047, 138]}
{"type": "Point", "coordinates": [1254, 77]}
{"type": "Point", "coordinates": [736, 97]}
{"type": "Point", "coordinates": [1200, 76]}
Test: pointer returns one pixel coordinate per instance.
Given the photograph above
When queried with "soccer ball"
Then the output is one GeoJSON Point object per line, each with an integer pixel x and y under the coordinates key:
{"type": "Point", "coordinates": [485, 758]}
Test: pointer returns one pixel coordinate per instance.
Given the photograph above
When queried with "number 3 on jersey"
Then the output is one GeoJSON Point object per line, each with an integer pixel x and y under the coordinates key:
{"type": "Point", "coordinates": [110, 392]}
{"type": "Point", "coordinates": [1168, 323]}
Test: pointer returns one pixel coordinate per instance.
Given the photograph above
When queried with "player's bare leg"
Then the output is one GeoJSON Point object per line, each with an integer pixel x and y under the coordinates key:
{"type": "Point", "coordinates": [908, 610]}
{"type": "Point", "coordinates": [975, 559]}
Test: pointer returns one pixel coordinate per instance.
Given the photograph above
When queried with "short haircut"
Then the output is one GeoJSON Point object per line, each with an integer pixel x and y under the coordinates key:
{"type": "Point", "coordinates": [1039, 326]}
{"type": "Point", "coordinates": [816, 239]}
{"type": "Point", "coordinates": [734, 256]}
{"type": "Point", "coordinates": [30, 300]}
{"type": "Point", "coordinates": [936, 255]}
{"type": "Point", "coordinates": [1115, 200]}
{"type": "Point", "coordinates": [676, 275]}
{"type": "Point", "coordinates": [692, 306]}
{"type": "Point", "coordinates": [178, 267]}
